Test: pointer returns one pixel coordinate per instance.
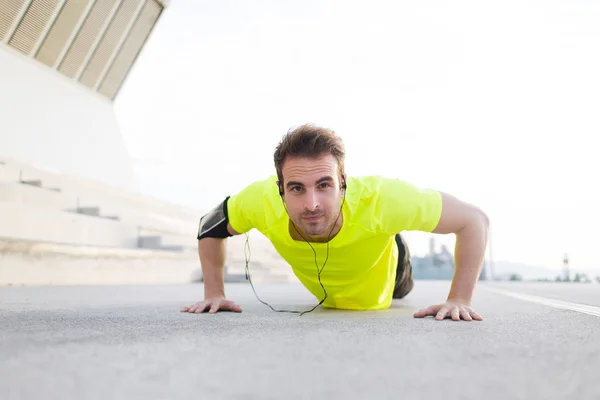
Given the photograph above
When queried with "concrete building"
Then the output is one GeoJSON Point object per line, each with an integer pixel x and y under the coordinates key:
{"type": "Point", "coordinates": [70, 210]}
{"type": "Point", "coordinates": [62, 64]}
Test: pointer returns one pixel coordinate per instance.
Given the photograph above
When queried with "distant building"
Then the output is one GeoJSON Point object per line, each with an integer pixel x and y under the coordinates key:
{"type": "Point", "coordinates": [566, 271]}
{"type": "Point", "coordinates": [439, 266]}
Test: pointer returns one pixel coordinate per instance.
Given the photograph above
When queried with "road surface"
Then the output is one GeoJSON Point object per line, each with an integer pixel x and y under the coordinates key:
{"type": "Point", "coordinates": [131, 342]}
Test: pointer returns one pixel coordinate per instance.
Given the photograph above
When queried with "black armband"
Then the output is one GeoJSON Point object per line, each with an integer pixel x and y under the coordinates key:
{"type": "Point", "coordinates": [214, 223]}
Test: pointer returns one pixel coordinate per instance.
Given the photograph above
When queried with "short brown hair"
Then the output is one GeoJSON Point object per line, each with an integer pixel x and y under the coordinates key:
{"type": "Point", "coordinates": [308, 141]}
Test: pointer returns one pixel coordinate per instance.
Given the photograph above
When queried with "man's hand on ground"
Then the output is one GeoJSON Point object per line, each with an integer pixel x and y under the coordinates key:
{"type": "Point", "coordinates": [212, 305]}
{"type": "Point", "coordinates": [450, 309]}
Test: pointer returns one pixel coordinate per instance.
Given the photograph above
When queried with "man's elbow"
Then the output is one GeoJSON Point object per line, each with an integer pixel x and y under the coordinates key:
{"type": "Point", "coordinates": [459, 217]}
{"type": "Point", "coordinates": [482, 220]}
{"type": "Point", "coordinates": [477, 222]}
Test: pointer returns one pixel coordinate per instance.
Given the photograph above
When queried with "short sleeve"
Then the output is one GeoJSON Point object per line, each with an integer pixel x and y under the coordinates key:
{"type": "Point", "coordinates": [406, 207]}
{"type": "Point", "coordinates": [245, 209]}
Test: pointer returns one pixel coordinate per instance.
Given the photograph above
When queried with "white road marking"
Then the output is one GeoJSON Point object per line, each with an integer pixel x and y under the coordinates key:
{"type": "Point", "coordinates": [565, 305]}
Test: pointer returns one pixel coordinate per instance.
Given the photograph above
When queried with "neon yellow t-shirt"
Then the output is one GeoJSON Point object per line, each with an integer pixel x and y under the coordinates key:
{"type": "Point", "coordinates": [361, 269]}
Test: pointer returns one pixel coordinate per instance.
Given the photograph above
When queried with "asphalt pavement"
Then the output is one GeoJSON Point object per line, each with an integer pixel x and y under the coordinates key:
{"type": "Point", "coordinates": [132, 342]}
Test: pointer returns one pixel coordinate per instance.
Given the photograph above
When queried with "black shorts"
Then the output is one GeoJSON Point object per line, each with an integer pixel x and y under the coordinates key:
{"type": "Point", "coordinates": [404, 275]}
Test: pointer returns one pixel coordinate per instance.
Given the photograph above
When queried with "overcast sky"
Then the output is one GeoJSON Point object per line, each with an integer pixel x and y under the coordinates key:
{"type": "Point", "coordinates": [494, 102]}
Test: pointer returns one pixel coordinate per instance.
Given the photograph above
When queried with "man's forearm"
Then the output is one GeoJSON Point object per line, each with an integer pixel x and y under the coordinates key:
{"type": "Point", "coordinates": [469, 253]}
{"type": "Point", "coordinates": [212, 260]}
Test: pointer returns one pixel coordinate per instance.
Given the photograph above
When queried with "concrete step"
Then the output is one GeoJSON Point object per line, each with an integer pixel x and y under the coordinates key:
{"type": "Point", "coordinates": [111, 200]}
{"type": "Point", "coordinates": [261, 273]}
{"type": "Point", "coordinates": [41, 263]}
{"type": "Point", "coordinates": [53, 198]}
{"type": "Point", "coordinates": [91, 211]}
{"type": "Point", "coordinates": [8, 174]}
{"type": "Point", "coordinates": [19, 193]}
{"type": "Point", "coordinates": [52, 191]}
{"type": "Point", "coordinates": [35, 223]}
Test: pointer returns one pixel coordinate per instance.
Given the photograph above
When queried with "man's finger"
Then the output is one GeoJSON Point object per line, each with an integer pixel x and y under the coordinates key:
{"type": "Point", "coordinates": [424, 312]}
{"type": "Point", "coordinates": [230, 306]}
{"type": "Point", "coordinates": [455, 313]}
{"type": "Point", "coordinates": [476, 316]}
{"type": "Point", "coordinates": [215, 307]}
{"type": "Point", "coordinates": [465, 315]}
{"type": "Point", "coordinates": [442, 314]}
{"type": "Point", "coordinates": [432, 310]}
{"type": "Point", "coordinates": [234, 307]}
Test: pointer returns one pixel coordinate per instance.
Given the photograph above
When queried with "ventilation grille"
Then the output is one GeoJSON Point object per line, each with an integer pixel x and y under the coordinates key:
{"type": "Point", "coordinates": [33, 25]}
{"type": "Point", "coordinates": [95, 42]}
{"type": "Point", "coordinates": [9, 11]}
{"type": "Point", "coordinates": [85, 40]}
{"type": "Point", "coordinates": [67, 21]}
{"type": "Point", "coordinates": [109, 43]}
{"type": "Point", "coordinates": [130, 50]}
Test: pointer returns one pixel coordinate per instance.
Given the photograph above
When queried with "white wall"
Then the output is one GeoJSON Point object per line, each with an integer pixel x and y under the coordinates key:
{"type": "Point", "coordinates": [50, 121]}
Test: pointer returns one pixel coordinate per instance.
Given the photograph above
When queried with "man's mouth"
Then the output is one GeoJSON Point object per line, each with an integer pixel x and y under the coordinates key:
{"type": "Point", "coordinates": [312, 217]}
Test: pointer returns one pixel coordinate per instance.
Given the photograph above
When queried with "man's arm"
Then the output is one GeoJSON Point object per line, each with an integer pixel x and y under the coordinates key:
{"type": "Point", "coordinates": [245, 210]}
{"type": "Point", "coordinates": [212, 254]}
{"type": "Point", "coordinates": [470, 225]}
{"type": "Point", "coordinates": [212, 234]}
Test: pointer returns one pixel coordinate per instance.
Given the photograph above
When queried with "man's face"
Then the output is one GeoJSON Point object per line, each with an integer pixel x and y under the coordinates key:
{"type": "Point", "coordinates": [312, 195]}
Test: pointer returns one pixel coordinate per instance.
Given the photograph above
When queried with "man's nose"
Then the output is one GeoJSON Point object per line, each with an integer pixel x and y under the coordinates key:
{"type": "Point", "coordinates": [311, 200]}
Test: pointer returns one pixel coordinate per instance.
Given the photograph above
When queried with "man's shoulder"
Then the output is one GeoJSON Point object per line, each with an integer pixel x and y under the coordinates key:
{"type": "Point", "coordinates": [375, 185]}
{"type": "Point", "coordinates": [393, 205]}
{"type": "Point", "coordinates": [258, 196]}
{"type": "Point", "coordinates": [249, 208]}
{"type": "Point", "coordinates": [384, 192]}
{"type": "Point", "coordinates": [259, 188]}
